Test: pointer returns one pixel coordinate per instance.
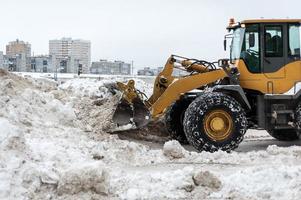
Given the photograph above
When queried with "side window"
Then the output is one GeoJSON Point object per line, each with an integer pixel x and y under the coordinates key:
{"type": "Point", "coordinates": [250, 49]}
{"type": "Point", "coordinates": [273, 39]}
{"type": "Point", "coordinates": [294, 40]}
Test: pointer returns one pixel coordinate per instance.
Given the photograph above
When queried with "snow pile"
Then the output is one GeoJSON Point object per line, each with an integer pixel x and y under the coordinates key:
{"type": "Point", "coordinates": [264, 182]}
{"type": "Point", "coordinates": [95, 101]}
{"type": "Point", "coordinates": [27, 110]}
{"type": "Point", "coordinates": [84, 178]}
{"type": "Point", "coordinates": [54, 145]}
{"type": "Point", "coordinates": [153, 184]}
{"type": "Point", "coordinates": [43, 137]}
{"type": "Point", "coordinates": [87, 88]}
{"type": "Point", "coordinates": [99, 88]}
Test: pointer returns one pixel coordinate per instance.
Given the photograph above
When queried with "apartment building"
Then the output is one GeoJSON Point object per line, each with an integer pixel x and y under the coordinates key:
{"type": "Point", "coordinates": [74, 51]}
{"type": "Point", "coordinates": [18, 54]}
{"type": "Point", "coordinates": [110, 67]}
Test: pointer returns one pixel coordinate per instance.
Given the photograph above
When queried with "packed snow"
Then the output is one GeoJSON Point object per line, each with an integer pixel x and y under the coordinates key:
{"type": "Point", "coordinates": [54, 144]}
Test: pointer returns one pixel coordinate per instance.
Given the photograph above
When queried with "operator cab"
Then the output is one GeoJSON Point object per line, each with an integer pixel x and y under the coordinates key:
{"type": "Point", "coordinates": [265, 46]}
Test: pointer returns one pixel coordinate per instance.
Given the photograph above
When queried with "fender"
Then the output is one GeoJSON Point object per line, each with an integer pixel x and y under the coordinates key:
{"type": "Point", "coordinates": [235, 91]}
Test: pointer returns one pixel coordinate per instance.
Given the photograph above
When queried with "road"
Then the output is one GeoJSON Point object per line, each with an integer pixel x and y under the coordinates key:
{"type": "Point", "coordinates": [254, 141]}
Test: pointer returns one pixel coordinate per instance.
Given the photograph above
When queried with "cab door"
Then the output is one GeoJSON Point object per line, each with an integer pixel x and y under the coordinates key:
{"type": "Point", "coordinates": [273, 56]}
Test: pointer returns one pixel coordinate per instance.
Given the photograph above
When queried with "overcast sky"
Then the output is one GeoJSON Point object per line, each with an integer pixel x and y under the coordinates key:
{"type": "Point", "coordinates": [146, 31]}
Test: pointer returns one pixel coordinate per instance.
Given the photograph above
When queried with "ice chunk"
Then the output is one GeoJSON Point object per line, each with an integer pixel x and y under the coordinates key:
{"type": "Point", "coordinates": [206, 179]}
{"type": "Point", "coordinates": [173, 149]}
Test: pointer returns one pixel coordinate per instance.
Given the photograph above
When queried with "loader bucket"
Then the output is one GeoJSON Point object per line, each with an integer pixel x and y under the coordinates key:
{"type": "Point", "coordinates": [127, 113]}
{"type": "Point", "coordinates": [131, 108]}
{"type": "Point", "coordinates": [123, 114]}
{"type": "Point", "coordinates": [141, 113]}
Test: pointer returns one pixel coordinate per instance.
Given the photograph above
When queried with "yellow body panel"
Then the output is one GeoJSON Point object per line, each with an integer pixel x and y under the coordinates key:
{"type": "Point", "coordinates": [181, 86]}
{"type": "Point", "coordinates": [277, 82]}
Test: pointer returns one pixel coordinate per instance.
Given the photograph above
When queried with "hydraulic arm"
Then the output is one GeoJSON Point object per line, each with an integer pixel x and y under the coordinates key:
{"type": "Point", "coordinates": [134, 107]}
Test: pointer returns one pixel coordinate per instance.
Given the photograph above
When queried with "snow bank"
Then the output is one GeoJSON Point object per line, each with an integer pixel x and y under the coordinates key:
{"type": "Point", "coordinates": [44, 135]}
{"type": "Point", "coordinates": [54, 145]}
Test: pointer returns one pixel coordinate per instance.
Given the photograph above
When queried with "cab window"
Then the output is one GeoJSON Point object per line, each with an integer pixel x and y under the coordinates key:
{"type": "Point", "coordinates": [273, 39]}
{"type": "Point", "coordinates": [251, 48]}
{"type": "Point", "coordinates": [294, 40]}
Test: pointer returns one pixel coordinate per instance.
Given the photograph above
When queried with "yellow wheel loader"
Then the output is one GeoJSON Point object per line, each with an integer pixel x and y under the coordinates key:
{"type": "Point", "coordinates": [213, 105]}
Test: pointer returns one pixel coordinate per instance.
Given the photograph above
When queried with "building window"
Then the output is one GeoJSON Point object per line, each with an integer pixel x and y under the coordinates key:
{"type": "Point", "coordinates": [33, 66]}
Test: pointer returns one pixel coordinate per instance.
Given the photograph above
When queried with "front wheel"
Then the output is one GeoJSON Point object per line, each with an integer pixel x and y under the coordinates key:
{"type": "Point", "coordinates": [215, 121]}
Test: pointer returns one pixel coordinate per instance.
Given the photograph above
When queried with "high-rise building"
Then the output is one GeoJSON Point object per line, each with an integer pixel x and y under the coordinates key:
{"type": "Point", "coordinates": [19, 52]}
{"type": "Point", "coordinates": [18, 47]}
{"type": "Point", "coordinates": [76, 51]}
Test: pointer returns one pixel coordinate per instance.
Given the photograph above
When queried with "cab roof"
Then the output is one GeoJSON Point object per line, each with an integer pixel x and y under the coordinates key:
{"type": "Point", "coordinates": [251, 21]}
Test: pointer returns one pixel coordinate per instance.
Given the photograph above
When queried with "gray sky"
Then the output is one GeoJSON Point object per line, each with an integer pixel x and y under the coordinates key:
{"type": "Point", "coordinates": [146, 31]}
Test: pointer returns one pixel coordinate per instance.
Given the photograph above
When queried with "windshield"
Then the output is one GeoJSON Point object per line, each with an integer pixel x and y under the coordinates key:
{"type": "Point", "coordinates": [236, 44]}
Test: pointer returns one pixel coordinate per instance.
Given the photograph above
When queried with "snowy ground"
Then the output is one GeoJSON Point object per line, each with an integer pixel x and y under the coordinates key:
{"type": "Point", "coordinates": [54, 145]}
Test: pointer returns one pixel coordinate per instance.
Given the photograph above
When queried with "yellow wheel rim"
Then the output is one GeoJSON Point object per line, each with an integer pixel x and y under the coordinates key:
{"type": "Point", "coordinates": [218, 125]}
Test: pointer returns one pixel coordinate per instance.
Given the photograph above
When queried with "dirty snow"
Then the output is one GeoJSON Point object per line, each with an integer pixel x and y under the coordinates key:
{"type": "Point", "coordinates": [54, 145]}
{"type": "Point", "coordinates": [173, 149]}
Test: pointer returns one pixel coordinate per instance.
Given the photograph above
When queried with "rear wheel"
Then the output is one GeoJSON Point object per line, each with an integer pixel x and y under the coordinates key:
{"type": "Point", "coordinates": [215, 121]}
{"type": "Point", "coordinates": [289, 134]}
{"type": "Point", "coordinates": [174, 120]}
{"type": "Point", "coordinates": [284, 134]}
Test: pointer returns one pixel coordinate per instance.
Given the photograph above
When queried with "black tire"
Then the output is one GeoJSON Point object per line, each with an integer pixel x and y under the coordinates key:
{"type": "Point", "coordinates": [284, 134]}
{"type": "Point", "coordinates": [174, 120]}
{"type": "Point", "coordinates": [200, 108]}
{"type": "Point", "coordinates": [289, 134]}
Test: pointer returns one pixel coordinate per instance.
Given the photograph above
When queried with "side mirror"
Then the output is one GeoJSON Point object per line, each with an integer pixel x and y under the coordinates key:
{"type": "Point", "coordinates": [251, 40]}
{"type": "Point", "coordinates": [225, 44]}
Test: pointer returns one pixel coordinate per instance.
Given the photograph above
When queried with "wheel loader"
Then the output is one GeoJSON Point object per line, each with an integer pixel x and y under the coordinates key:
{"type": "Point", "coordinates": [214, 103]}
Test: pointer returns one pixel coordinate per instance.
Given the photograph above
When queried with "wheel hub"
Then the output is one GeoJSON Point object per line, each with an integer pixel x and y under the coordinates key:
{"type": "Point", "coordinates": [218, 125]}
